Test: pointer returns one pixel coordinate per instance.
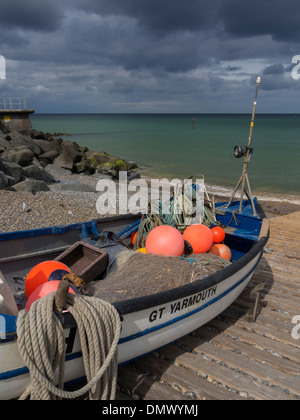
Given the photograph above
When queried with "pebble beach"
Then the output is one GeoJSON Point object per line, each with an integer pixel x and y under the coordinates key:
{"type": "Point", "coordinates": [24, 210]}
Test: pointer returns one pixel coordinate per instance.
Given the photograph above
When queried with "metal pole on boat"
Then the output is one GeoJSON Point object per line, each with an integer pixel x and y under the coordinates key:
{"type": "Point", "coordinates": [244, 180]}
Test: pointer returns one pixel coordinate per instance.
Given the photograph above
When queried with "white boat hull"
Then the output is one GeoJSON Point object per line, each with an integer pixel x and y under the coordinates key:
{"type": "Point", "coordinates": [142, 331]}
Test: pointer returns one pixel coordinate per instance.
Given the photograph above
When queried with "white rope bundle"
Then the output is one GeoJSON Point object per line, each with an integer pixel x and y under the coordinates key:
{"type": "Point", "coordinates": [42, 345]}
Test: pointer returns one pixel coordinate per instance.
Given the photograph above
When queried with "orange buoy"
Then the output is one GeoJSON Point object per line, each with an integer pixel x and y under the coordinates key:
{"type": "Point", "coordinates": [222, 251]}
{"type": "Point", "coordinates": [133, 237]}
{"type": "Point", "coordinates": [142, 250]}
{"type": "Point", "coordinates": [43, 272]}
{"type": "Point", "coordinates": [165, 240]}
{"type": "Point", "coordinates": [44, 290]}
{"type": "Point", "coordinates": [218, 234]}
{"type": "Point", "coordinates": [200, 238]}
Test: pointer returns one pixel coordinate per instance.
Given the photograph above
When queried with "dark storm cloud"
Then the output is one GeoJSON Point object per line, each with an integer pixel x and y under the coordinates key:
{"type": "Point", "coordinates": [274, 69]}
{"type": "Point", "coordinates": [161, 16]}
{"type": "Point", "coordinates": [277, 18]}
{"type": "Point", "coordinates": [36, 15]}
{"type": "Point", "coordinates": [148, 51]}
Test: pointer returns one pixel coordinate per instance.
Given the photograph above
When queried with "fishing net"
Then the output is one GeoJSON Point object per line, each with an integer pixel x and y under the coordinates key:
{"type": "Point", "coordinates": [135, 274]}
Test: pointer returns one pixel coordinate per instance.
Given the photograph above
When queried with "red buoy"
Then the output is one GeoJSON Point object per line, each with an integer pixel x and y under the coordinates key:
{"type": "Point", "coordinates": [222, 251]}
{"type": "Point", "coordinates": [218, 234]}
{"type": "Point", "coordinates": [43, 272]}
{"type": "Point", "coordinates": [165, 240]}
{"type": "Point", "coordinates": [199, 237]}
{"type": "Point", "coordinates": [44, 290]}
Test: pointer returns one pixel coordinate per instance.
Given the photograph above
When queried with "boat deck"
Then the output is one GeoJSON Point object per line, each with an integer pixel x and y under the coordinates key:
{"type": "Point", "coordinates": [231, 358]}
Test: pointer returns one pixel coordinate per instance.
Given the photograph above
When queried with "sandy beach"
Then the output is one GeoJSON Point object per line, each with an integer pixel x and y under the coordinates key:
{"type": "Point", "coordinates": [23, 210]}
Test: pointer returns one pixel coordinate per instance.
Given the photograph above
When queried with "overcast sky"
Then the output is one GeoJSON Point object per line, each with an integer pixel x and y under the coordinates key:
{"type": "Point", "coordinates": [193, 56]}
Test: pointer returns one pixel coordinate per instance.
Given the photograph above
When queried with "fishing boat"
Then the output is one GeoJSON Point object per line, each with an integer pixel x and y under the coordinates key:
{"type": "Point", "coordinates": [148, 322]}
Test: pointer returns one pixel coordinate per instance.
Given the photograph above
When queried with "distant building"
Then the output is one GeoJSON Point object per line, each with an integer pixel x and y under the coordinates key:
{"type": "Point", "coordinates": [14, 115]}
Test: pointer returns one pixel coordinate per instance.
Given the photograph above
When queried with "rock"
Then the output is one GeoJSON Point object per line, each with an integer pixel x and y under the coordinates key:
{"type": "Point", "coordinates": [113, 174]}
{"type": "Point", "coordinates": [132, 165]}
{"type": "Point", "coordinates": [10, 181]}
{"type": "Point", "coordinates": [48, 157]}
{"type": "Point", "coordinates": [36, 162]}
{"type": "Point", "coordinates": [97, 159]}
{"type": "Point", "coordinates": [12, 169]}
{"type": "Point", "coordinates": [38, 174]}
{"type": "Point", "coordinates": [4, 144]}
{"type": "Point", "coordinates": [7, 180]}
{"type": "Point", "coordinates": [23, 156]}
{"type": "Point", "coordinates": [73, 149]}
{"type": "Point", "coordinates": [64, 160]}
{"type": "Point", "coordinates": [56, 170]}
{"type": "Point", "coordinates": [3, 178]}
{"type": "Point", "coordinates": [32, 186]}
{"type": "Point", "coordinates": [2, 184]}
{"type": "Point", "coordinates": [133, 175]}
{"type": "Point", "coordinates": [121, 165]}
{"type": "Point", "coordinates": [39, 135]}
{"type": "Point", "coordinates": [48, 146]}
{"type": "Point", "coordinates": [16, 139]}
{"type": "Point", "coordinates": [74, 187]}
{"type": "Point", "coordinates": [113, 164]}
{"type": "Point", "coordinates": [68, 157]}
{"type": "Point", "coordinates": [83, 166]}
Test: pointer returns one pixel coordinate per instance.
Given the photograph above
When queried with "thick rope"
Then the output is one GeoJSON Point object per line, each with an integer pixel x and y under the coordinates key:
{"type": "Point", "coordinates": [42, 345]}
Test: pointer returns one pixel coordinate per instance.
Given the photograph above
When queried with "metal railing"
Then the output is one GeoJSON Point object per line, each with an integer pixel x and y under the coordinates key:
{"type": "Point", "coordinates": [13, 103]}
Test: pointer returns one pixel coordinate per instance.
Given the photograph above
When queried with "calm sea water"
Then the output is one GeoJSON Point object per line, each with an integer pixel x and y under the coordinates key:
{"type": "Point", "coordinates": [167, 145]}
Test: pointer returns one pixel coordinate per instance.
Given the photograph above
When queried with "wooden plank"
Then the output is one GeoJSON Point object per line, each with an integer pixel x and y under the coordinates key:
{"type": "Point", "coordinates": [229, 378]}
{"type": "Point", "coordinates": [256, 369]}
{"type": "Point", "coordinates": [252, 338]}
{"type": "Point", "coordinates": [186, 381]}
{"type": "Point", "coordinates": [134, 383]}
{"type": "Point", "coordinates": [253, 351]}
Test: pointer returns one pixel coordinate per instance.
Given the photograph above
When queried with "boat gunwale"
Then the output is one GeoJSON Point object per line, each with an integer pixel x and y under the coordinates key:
{"type": "Point", "coordinates": [60, 229]}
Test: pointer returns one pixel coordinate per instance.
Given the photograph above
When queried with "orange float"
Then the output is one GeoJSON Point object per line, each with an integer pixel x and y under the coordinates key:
{"type": "Point", "coordinates": [222, 251]}
{"type": "Point", "coordinates": [43, 272]}
{"type": "Point", "coordinates": [218, 234]}
{"type": "Point", "coordinates": [133, 237]}
{"type": "Point", "coordinates": [200, 238]}
{"type": "Point", "coordinates": [165, 240]}
{"type": "Point", "coordinates": [44, 290]}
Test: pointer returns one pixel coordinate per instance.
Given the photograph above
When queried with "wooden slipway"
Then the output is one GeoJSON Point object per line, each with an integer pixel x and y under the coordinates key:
{"type": "Point", "coordinates": [232, 358]}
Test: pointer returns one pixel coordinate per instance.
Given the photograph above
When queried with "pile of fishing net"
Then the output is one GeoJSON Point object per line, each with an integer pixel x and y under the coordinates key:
{"type": "Point", "coordinates": [134, 274]}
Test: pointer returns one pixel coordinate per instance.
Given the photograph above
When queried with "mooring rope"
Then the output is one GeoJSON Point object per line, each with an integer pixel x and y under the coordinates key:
{"type": "Point", "coordinates": [41, 343]}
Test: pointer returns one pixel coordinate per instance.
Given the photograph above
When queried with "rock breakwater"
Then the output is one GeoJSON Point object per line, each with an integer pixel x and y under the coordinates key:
{"type": "Point", "coordinates": [32, 160]}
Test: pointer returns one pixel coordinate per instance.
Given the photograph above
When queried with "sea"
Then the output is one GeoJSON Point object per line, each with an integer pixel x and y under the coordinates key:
{"type": "Point", "coordinates": [184, 145]}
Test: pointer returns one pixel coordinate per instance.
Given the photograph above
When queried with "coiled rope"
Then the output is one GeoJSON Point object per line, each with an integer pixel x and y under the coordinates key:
{"type": "Point", "coordinates": [42, 345]}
